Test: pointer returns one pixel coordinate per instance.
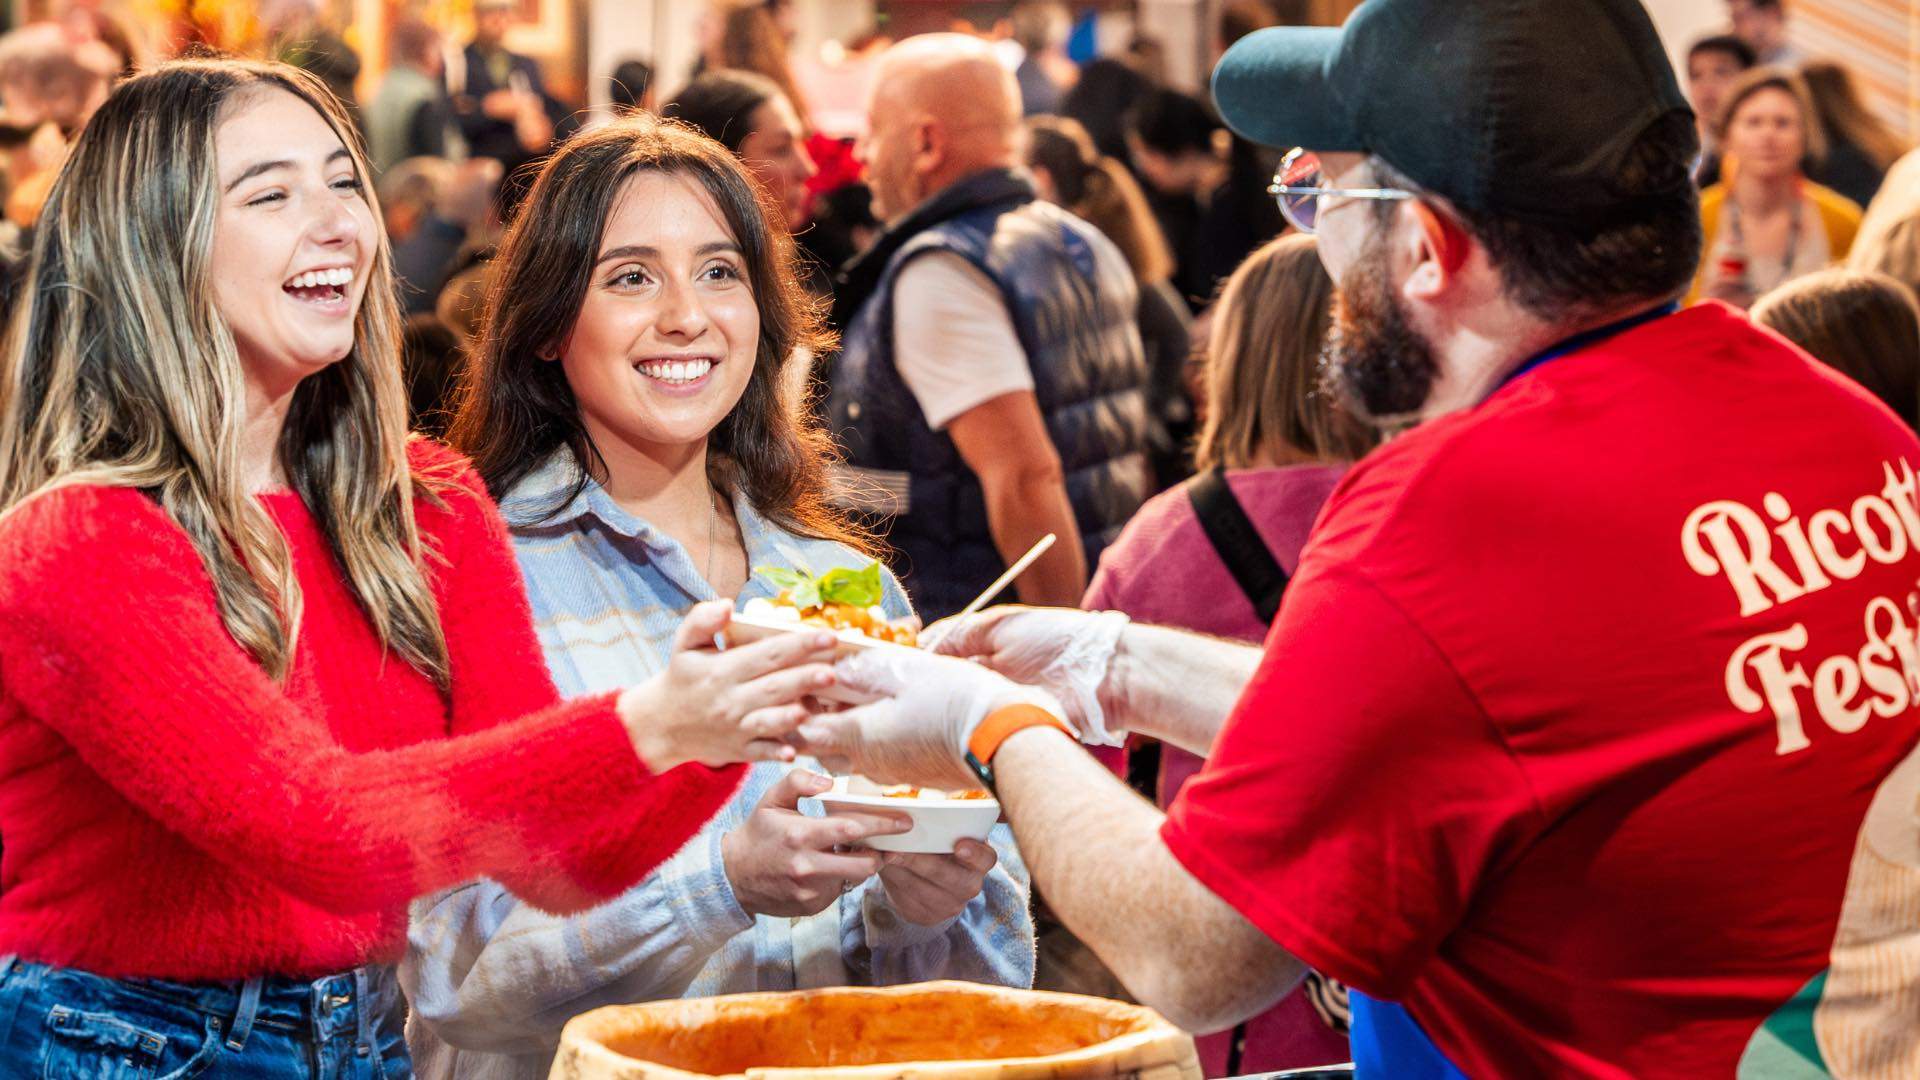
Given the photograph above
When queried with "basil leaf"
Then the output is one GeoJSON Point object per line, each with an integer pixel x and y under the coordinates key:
{"type": "Point", "coordinates": [835, 584]}
{"type": "Point", "coordinates": [872, 580]}
{"type": "Point", "coordinates": [806, 594]}
{"type": "Point", "coordinates": [854, 588]}
{"type": "Point", "coordinates": [782, 577]}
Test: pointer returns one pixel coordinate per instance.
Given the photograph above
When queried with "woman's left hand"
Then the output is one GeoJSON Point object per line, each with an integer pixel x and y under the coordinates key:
{"type": "Point", "coordinates": [928, 890]}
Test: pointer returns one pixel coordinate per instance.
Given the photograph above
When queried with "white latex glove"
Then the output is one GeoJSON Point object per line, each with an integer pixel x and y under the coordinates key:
{"type": "Point", "coordinates": [1066, 652]}
{"type": "Point", "coordinates": [917, 729]}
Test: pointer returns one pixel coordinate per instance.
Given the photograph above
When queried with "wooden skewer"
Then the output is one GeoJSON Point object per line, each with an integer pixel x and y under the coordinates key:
{"type": "Point", "coordinates": [1019, 567]}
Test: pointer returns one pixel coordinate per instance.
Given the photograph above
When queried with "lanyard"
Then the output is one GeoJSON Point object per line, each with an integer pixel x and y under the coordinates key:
{"type": "Point", "coordinates": [1588, 337]}
{"type": "Point", "coordinates": [1739, 239]}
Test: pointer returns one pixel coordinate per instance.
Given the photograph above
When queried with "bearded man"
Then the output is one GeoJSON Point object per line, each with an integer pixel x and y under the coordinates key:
{"type": "Point", "coordinates": [1584, 741]}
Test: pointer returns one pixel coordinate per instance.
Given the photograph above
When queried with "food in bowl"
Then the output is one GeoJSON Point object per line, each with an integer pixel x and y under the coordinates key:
{"type": "Point", "coordinates": [908, 791]}
{"type": "Point", "coordinates": [841, 600]}
{"type": "Point", "coordinates": [941, 819]}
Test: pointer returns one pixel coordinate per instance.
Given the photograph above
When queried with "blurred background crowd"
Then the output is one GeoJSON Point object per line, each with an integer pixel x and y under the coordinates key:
{"type": "Point", "coordinates": [1810, 204]}
{"type": "Point", "coordinates": [458, 98]}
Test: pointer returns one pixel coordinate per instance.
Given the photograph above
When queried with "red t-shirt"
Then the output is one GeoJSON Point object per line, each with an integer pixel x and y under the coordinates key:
{"type": "Point", "coordinates": [1569, 725]}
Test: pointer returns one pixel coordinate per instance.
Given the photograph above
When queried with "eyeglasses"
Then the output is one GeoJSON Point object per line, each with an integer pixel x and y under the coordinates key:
{"type": "Point", "coordinates": [1300, 184]}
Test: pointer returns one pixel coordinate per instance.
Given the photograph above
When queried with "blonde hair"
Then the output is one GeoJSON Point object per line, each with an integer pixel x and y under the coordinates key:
{"type": "Point", "coordinates": [1862, 324]}
{"type": "Point", "coordinates": [119, 370]}
{"type": "Point", "coordinates": [1753, 81]}
{"type": "Point", "coordinates": [1263, 364]}
{"type": "Point", "coordinates": [1889, 245]}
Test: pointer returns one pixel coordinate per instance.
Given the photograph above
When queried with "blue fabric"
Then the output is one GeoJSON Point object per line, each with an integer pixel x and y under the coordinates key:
{"type": "Point", "coordinates": [486, 136]}
{"type": "Point", "coordinates": [1076, 315]}
{"type": "Point", "coordinates": [608, 589]}
{"type": "Point", "coordinates": [1038, 94]}
{"type": "Point", "coordinates": [58, 1022]}
{"type": "Point", "coordinates": [1388, 1044]}
{"type": "Point", "coordinates": [1083, 44]}
{"type": "Point", "coordinates": [492, 980]}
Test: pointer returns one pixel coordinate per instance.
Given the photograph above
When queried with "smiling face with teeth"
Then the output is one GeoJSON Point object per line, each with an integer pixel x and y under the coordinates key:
{"type": "Point", "coordinates": [666, 337]}
{"type": "Point", "coordinates": [294, 240]}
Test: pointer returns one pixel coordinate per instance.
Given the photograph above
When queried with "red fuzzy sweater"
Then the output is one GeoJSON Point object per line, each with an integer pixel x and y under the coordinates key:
{"type": "Point", "coordinates": [169, 811]}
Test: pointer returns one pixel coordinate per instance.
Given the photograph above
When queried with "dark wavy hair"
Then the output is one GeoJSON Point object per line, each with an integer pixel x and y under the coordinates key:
{"type": "Point", "coordinates": [515, 409]}
{"type": "Point", "coordinates": [1101, 190]}
{"type": "Point", "coordinates": [721, 104]}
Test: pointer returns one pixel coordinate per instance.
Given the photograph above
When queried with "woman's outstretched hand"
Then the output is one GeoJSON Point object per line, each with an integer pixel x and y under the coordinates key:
{"type": "Point", "coordinates": [716, 707]}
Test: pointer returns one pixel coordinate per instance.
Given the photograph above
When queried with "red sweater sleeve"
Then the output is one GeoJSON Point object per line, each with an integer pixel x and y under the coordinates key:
{"type": "Point", "coordinates": [499, 672]}
{"type": "Point", "coordinates": [110, 636]}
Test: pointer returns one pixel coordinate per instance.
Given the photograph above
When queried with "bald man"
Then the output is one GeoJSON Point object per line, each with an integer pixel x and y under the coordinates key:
{"type": "Point", "coordinates": [991, 387]}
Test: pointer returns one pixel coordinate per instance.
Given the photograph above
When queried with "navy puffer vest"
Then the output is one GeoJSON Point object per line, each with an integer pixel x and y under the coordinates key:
{"type": "Point", "coordinates": [1075, 316]}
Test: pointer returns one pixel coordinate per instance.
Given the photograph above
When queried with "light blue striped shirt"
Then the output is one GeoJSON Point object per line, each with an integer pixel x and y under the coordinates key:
{"type": "Point", "coordinates": [492, 981]}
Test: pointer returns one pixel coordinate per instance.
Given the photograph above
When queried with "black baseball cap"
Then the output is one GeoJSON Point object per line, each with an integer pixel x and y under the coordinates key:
{"type": "Point", "coordinates": [1525, 108]}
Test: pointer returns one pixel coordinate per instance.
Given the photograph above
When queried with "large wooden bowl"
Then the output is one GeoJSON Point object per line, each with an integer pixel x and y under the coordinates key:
{"type": "Point", "coordinates": [926, 1031]}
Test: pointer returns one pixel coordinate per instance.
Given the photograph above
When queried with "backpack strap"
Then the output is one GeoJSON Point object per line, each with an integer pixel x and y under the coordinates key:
{"type": "Point", "coordinates": [1238, 543]}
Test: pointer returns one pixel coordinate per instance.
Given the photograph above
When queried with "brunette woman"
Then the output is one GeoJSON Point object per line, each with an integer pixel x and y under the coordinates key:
{"type": "Point", "coordinates": [266, 672]}
{"type": "Point", "coordinates": [752, 117]}
{"type": "Point", "coordinates": [624, 405]}
{"type": "Point", "coordinates": [752, 36]}
{"type": "Point", "coordinates": [1861, 147]}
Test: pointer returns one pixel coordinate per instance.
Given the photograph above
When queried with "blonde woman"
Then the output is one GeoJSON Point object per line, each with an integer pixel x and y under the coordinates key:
{"type": "Point", "coordinates": [266, 669]}
{"type": "Point", "coordinates": [1768, 224]}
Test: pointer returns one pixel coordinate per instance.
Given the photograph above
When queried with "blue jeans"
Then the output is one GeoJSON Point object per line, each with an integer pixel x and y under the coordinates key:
{"type": "Point", "coordinates": [63, 1024]}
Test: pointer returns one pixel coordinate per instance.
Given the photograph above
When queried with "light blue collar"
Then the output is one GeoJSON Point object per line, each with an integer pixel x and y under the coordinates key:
{"type": "Point", "coordinates": [526, 508]}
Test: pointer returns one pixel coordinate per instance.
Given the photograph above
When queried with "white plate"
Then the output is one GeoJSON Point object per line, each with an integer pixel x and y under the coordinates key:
{"type": "Point", "coordinates": [938, 824]}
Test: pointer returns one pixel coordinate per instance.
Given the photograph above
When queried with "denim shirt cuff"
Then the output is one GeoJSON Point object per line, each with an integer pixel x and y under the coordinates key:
{"type": "Point", "coordinates": [703, 891]}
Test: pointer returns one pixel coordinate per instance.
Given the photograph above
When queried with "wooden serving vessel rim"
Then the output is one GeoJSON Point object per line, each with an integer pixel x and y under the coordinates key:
{"type": "Point", "coordinates": [597, 1053]}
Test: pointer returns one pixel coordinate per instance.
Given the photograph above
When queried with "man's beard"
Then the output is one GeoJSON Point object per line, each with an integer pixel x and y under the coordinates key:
{"type": "Point", "coordinates": [1374, 362]}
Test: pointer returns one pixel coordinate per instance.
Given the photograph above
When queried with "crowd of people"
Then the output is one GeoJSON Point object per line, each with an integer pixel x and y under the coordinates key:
{"type": "Point", "coordinates": [378, 476]}
{"type": "Point", "coordinates": [1791, 155]}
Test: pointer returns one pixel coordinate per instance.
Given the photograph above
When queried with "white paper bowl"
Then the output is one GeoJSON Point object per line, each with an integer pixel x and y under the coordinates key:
{"type": "Point", "coordinates": [938, 824]}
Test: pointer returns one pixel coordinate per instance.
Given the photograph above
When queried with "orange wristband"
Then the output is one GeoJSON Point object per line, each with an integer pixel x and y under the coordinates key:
{"type": "Point", "coordinates": [1000, 725]}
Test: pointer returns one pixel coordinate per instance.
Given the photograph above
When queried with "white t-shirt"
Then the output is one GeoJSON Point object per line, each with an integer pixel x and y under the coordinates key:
{"type": "Point", "coordinates": [953, 340]}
